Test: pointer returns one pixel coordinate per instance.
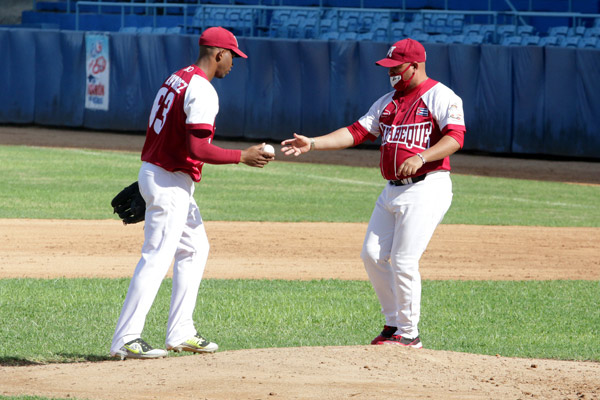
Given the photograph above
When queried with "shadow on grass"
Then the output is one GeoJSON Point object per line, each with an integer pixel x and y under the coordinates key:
{"type": "Point", "coordinates": [67, 358]}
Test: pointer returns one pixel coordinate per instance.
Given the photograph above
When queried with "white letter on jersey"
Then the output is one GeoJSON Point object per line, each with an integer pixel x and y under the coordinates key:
{"type": "Point", "coordinates": [163, 98]}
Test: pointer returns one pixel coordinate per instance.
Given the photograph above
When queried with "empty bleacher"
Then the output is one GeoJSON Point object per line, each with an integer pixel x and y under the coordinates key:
{"type": "Point", "coordinates": [575, 23]}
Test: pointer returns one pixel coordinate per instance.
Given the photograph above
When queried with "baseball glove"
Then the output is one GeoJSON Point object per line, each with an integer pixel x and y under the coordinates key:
{"type": "Point", "coordinates": [129, 204]}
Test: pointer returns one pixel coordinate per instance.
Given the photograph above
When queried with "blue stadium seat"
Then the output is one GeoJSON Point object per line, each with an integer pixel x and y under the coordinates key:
{"type": "Point", "coordinates": [597, 23]}
{"type": "Point", "coordinates": [511, 41]}
{"type": "Point", "coordinates": [558, 31]}
{"type": "Point", "coordinates": [348, 36]}
{"type": "Point", "coordinates": [488, 31]}
{"type": "Point", "coordinates": [525, 30]}
{"type": "Point", "coordinates": [592, 32]}
{"type": "Point", "coordinates": [550, 41]}
{"type": "Point", "coordinates": [413, 28]}
{"type": "Point", "coordinates": [333, 35]}
{"type": "Point", "coordinates": [589, 43]}
{"type": "Point", "coordinates": [456, 39]}
{"type": "Point", "coordinates": [380, 35]}
{"type": "Point", "coordinates": [368, 36]}
{"type": "Point", "coordinates": [472, 29]}
{"type": "Point", "coordinates": [505, 31]}
{"type": "Point", "coordinates": [159, 30]}
{"type": "Point", "coordinates": [576, 31]}
{"type": "Point", "coordinates": [570, 41]}
{"type": "Point", "coordinates": [456, 22]}
{"type": "Point", "coordinates": [530, 40]}
{"type": "Point", "coordinates": [144, 29]}
{"type": "Point", "coordinates": [474, 39]}
{"type": "Point", "coordinates": [420, 37]}
{"type": "Point", "coordinates": [439, 38]}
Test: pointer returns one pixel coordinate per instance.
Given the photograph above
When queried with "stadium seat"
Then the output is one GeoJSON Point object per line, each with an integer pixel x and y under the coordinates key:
{"type": "Point", "coordinates": [525, 30]}
{"type": "Point", "coordinates": [159, 30]}
{"type": "Point", "coordinates": [333, 35]}
{"type": "Point", "coordinates": [472, 29]}
{"type": "Point", "coordinates": [348, 36]}
{"type": "Point", "coordinates": [558, 31]}
{"type": "Point", "coordinates": [530, 41]}
{"type": "Point", "coordinates": [488, 31]}
{"type": "Point", "coordinates": [420, 37]}
{"type": "Point", "coordinates": [576, 31]}
{"type": "Point", "coordinates": [381, 35]}
{"type": "Point", "coordinates": [456, 22]}
{"type": "Point", "coordinates": [474, 39]}
{"type": "Point", "coordinates": [413, 28]}
{"type": "Point", "coordinates": [456, 39]}
{"type": "Point", "coordinates": [144, 29]}
{"type": "Point", "coordinates": [505, 31]}
{"type": "Point", "coordinates": [589, 43]}
{"type": "Point", "coordinates": [570, 41]}
{"type": "Point", "coordinates": [439, 38]}
{"type": "Point", "coordinates": [511, 41]}
{"type": "Point", "coordinates": [592, 32]}
{"type": "Point", "coordinates": [549, 41]}
{"type": "Point", "coordinates": [365, 36]}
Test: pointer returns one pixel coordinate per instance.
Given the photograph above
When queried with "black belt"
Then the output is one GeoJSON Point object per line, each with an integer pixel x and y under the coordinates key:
{"type": "Point", "coordinates": [408, 181]}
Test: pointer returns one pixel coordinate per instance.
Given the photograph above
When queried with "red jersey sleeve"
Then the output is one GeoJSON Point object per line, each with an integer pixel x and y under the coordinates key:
{"type": "Point", "coordinates": [457, 132]}
{"type": "Point", "coordinates": [360, 134]}
{"type": "Point", "coordinates": [201, 148]}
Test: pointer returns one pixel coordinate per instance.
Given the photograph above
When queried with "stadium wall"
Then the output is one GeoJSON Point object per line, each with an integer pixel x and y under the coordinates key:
{"type": "Point", "coordinates": [519, 100]}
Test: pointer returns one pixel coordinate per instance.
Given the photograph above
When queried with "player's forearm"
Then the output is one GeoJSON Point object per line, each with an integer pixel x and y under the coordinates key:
{"type": "Point", "coordinates": [202, 150]}
{"type": "Point", "coordinates": [336, 140]}
{"type": "Point", "coordinates": [442, 149]}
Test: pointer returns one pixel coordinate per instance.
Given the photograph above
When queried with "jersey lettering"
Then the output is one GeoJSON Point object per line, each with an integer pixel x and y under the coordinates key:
{"type": "Point", "coordinates": [410, 135]}
{"type": "Point", "coordinates": [176, 83]}
{"type": "Point", "coordinates": [163, 101]}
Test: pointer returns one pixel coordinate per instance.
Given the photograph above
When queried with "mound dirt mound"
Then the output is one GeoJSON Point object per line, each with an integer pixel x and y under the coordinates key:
{"type": "Point", "coordinates": [359, 372]}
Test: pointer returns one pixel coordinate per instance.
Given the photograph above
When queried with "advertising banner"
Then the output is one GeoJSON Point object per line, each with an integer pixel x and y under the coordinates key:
{"type": "Point", "coordinates": [97, 71]}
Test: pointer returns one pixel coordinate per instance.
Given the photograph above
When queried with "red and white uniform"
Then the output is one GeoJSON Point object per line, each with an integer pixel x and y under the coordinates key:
{"type": "Point", "coordinates": [186, 104]}
{"type": "Point", "coordinates": [411, 123]}
{"type": "Point", "coordinates": [405, 217]}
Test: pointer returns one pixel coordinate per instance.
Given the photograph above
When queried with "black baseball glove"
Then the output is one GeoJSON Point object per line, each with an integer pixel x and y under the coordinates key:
{"type": "Point", "coordinates": [129, 204]}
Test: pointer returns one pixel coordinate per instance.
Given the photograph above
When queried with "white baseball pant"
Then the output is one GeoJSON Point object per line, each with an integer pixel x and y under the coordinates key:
{"type": "Point", "coordinates": [173, 230]}
{"type": "Point", "coordinates": [400, 228]}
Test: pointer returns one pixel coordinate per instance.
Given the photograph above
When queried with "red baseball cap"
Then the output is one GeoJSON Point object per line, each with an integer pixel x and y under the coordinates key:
{"type": "Point", "coordinates": [221, 37]}
{"type": "Point", "coordinates": [403, 51]}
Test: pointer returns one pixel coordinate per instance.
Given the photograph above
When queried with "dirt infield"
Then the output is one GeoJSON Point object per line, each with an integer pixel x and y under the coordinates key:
{"type": "Point", "coordinates": [46, 249]}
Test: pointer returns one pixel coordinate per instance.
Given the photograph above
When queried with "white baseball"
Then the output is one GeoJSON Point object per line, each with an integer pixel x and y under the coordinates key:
{"type": "Point", "coordinates": [269, 149]}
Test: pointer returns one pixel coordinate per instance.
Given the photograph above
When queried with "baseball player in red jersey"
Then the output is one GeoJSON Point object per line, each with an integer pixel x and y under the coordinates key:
{"type": "Point", "coordinates": [178, 142]}
{"type": "Point", "coordinates": [421, 124]}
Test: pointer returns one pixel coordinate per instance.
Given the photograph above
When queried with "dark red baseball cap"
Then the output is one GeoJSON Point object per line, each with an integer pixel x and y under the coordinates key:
{"type": "Point", "coordinates": [403, 51]}
{"type": "Point", "coordinates": [221, 37]}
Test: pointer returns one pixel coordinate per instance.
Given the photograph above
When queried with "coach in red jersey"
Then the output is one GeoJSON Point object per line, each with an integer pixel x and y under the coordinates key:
{"type": "Point", "coordinates": [178, 142]}
{"type": "Point", "coordinates": [420, 123]}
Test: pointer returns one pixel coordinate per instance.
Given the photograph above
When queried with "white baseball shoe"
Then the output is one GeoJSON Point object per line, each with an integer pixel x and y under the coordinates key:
{"type": "Point", "coordinates": [196, 344]}
{"type": "Point", "coordinates": [137, 348]}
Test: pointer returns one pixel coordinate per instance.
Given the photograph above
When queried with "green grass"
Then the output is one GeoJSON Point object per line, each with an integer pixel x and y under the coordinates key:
{"type": "Point", "coordinates": [79, 184]}
{"type": "Point", "coordinates": [45, 321]}
{"type": "Point", "coordinates": [71, 320]}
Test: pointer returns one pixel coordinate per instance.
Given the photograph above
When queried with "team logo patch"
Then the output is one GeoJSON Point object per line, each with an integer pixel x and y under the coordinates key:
{"type": "Point", "coordinates": [455, 112]}
{"type": "Point", "coordinates": [422, 111]}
